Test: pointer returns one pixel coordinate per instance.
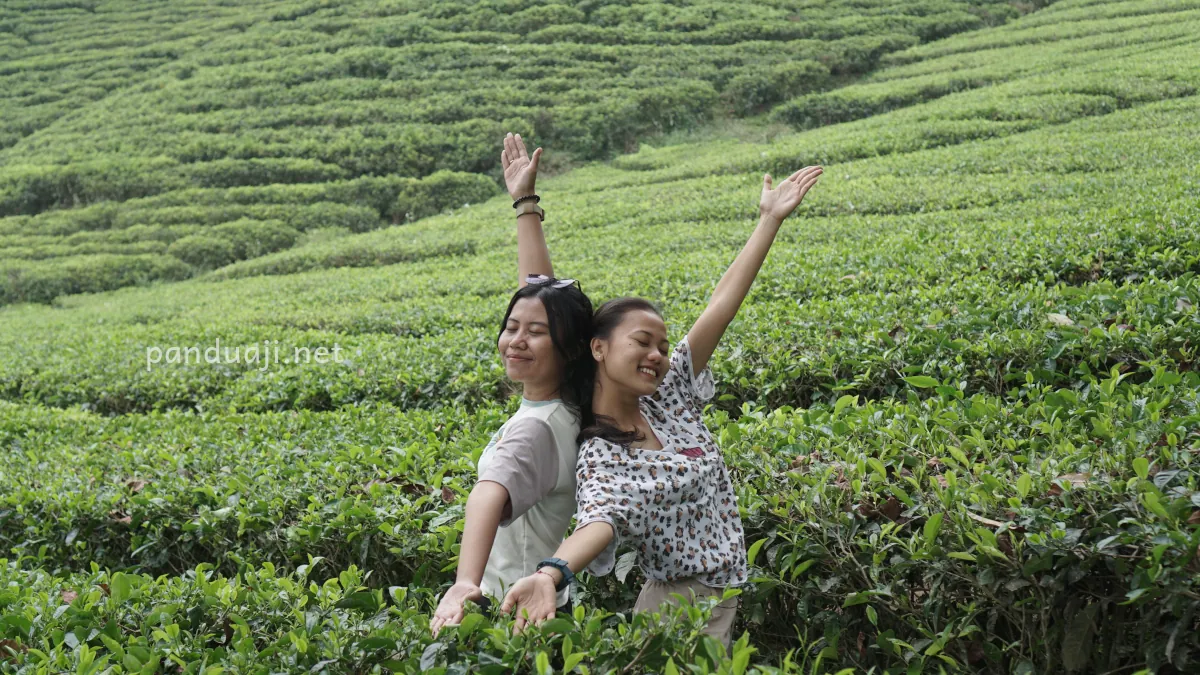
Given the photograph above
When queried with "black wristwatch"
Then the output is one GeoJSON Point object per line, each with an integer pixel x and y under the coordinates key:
{"type": "Point", "coordinates": [560, 565]}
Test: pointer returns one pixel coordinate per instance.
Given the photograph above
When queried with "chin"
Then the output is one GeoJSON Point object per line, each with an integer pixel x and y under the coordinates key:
{"type": "Point", "coordinates": [644, 388]}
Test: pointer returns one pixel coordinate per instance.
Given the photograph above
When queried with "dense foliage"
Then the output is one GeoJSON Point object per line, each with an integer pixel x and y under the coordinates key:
{"type": "Point", "coordinates": [960, 405]}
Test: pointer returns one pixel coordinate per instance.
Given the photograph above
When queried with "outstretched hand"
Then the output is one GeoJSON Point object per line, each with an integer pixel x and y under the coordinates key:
{"type": "Point", "coordinates": [778, 203]}
{"type": "Point", "coordinates": [533, 597]}
{"type": "Point", "coordinates": [520, 170]}
{"type": "Point", "coordinates": [450, 610]}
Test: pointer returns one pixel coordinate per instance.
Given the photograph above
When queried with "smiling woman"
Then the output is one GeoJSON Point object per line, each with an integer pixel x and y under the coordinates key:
{"type": "Point", "coordinates": [521, 506]}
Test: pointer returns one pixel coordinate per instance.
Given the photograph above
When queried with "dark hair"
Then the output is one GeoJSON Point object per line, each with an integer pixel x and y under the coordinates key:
{"type": "Point", "coordinates": [606, 319]}
{"type": "Point", "coordinates": [569, 314]}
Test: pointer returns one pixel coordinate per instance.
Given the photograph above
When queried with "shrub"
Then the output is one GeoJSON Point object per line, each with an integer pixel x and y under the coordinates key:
{"type": "Point", "coordinates": [430, 195]}
{"type": "Point", "coordinates": [203, 251]}
{"type": "Point", "coordinates": [751, 92]}
{"type": "Point", "coordinates": [254, 238]}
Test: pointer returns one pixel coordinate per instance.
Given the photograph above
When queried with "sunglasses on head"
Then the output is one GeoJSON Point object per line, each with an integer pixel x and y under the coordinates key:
{"type": "Point", "coordinates": [543, 280]}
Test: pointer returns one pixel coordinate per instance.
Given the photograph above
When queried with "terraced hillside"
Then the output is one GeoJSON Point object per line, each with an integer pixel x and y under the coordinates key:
{"type": "Point", "coordinates": [158, 140]}
{"type": "Point", "coordinates": [959, 405]}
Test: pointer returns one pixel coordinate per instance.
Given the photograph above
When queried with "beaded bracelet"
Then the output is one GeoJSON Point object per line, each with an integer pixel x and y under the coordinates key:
{"type": "Point", "coordinates": [535, 199]}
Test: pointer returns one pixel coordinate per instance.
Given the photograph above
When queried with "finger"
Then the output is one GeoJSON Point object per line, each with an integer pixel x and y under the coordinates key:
{"type": "Point", "coordinates": [435, 625]}
{"type": "Point", "coordinates": [504, 160]}
{"type": "Point", "coordinates": [809, 181]}
{"type": "Point", "coordinates": [805, 186]}
{"type": "Point", "coordinates": [537, 157]}
{"type": "Point", "coordinates": [521, 146]}
{"type": "Point", "coordinates": [767, 181]}
{"type": "Point", "coordinates": [510, 147]}
{"type": "Point", "coordinates": [507, 605]}
{"type": "Point", "coordinates": [802, 173]}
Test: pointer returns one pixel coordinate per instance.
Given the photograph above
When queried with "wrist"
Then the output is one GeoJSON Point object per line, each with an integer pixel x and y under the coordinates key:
{"type": "Point", "coordinates": [554, 576]}
{"type": "Point", "coordinates": [767, 219]}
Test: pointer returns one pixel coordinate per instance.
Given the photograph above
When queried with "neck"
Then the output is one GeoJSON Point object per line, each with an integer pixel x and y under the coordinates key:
{"type": "Point", "coordinates": [620, 406]}
{"type": "Point", "coordinates": [539, 391]}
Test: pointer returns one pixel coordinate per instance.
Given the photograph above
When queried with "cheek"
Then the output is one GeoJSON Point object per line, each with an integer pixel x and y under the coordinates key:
{"type": "Point", "coordinates": [502, 343]}
{"type": "Point", "coordinates": [543, 347]}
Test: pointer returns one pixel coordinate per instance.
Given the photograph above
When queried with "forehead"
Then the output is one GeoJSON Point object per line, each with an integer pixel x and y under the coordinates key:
{"type": "Point", "coordinates": [528, 310]}
{"type": "Point", "coordinates": [644, 320]}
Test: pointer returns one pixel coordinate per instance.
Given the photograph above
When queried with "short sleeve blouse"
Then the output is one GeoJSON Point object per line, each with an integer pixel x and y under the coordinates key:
{"type": "Point", "coordinates": [676, 505]}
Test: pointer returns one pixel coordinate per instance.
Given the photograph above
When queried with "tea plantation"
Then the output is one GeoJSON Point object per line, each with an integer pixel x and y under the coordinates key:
{"type": "Point", "coordinates": [960, 405]}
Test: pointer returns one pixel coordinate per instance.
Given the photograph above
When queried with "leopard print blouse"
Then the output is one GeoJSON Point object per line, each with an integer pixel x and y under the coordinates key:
{"type": "Point", "coordinates": [675, 506]}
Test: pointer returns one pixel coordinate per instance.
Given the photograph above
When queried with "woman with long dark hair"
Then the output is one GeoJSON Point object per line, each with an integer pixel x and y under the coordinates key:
{"type": "Point", "coordinates": [649, 473]}
{"type": "Point", "coordinates": [521, 506]}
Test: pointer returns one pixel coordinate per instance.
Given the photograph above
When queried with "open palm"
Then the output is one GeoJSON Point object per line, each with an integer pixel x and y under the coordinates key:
{"type": "Point", "coordinates": [778, 203]}
{"type": "Point", "coordinates": [520, 170]}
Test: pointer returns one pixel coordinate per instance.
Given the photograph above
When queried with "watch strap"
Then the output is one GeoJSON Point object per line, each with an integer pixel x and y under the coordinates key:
{"type": "Point", "coordinates": [561, 566]}
{"type": "Point", "coordinates": [530, 207]}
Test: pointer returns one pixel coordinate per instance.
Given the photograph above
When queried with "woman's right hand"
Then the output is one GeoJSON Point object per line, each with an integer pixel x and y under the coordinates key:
{"type": "Point", "coordinates": [450, 609]}
{"type": "Point", "coordinates": [520, 170]}
{"type": "Point", "coordinates": [534, 599]}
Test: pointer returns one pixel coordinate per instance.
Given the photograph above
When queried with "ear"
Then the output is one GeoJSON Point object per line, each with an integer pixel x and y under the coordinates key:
{"type": "Point", "coordinates": [599, 347]}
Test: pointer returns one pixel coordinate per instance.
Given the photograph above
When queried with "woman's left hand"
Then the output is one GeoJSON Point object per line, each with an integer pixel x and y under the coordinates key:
{"type": "Point", "coordinates": [534, 599]}
{"type": "Point", "coordinates": [777, 204]}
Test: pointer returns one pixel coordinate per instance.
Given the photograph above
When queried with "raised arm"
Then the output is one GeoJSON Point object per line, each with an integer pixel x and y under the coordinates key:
{"type": "Point", "coordinates": [520, 173]}
{"type": "Point", "coordinates": [774, 206]}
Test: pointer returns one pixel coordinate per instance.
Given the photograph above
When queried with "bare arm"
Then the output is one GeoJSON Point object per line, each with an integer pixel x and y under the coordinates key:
{"type": "Point", "coordinates": [533, 256]}
{"type": "Point", "coordinates": [486, 506]}
{"type": "Point", "coordinates": [534, 596]}
{"type": "Point", "coordinates": [731, 290]}
{"type": "Point", "coordinates": [520, 174]}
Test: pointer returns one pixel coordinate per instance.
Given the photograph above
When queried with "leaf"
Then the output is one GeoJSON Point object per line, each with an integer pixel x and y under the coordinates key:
{"type": "Point", "coordinates": [468, 625]}
{"type": "Point", "coordinates": [922, 381]}
{"type": "Point", "coordinates": [573, 660]}
{"type": "Point", "coordinates": [120, 588]}
{"type": "Point", "coordinates": [753, 552]}
{"type": "Point", "coordinates": [932, 527]}
{"type": "Point", "coordinates": [560, 626]}
{"type": "Point", "coordinates": [624, 564]}
{"type": "Point", "coordinates": [1141, 466]}
{"type": "Point", "coordinates": [430, 655]}
{"type": "Point", "coordinates": [1077, 641]}
{"type": "Point", "coordinates": [845, 401]}
{"type": "Point", "coordinates": [543, 663]}
{"type": "Point", "coordinates": [1024, 485]}
{"type": "Point", "coordinates": [670, 668]}
{"type": "Point", "coordinates": [741, 660]}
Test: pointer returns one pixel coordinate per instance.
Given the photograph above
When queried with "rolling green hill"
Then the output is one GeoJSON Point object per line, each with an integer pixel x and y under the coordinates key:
{"type": "Point", "coordinates": [157, 140]}
{"type": "Point", "coordinates": [960, 404]}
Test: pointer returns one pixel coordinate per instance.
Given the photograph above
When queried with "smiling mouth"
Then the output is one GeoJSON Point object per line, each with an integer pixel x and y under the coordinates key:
{"type": "Point", "coordinates": [648, 371]}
